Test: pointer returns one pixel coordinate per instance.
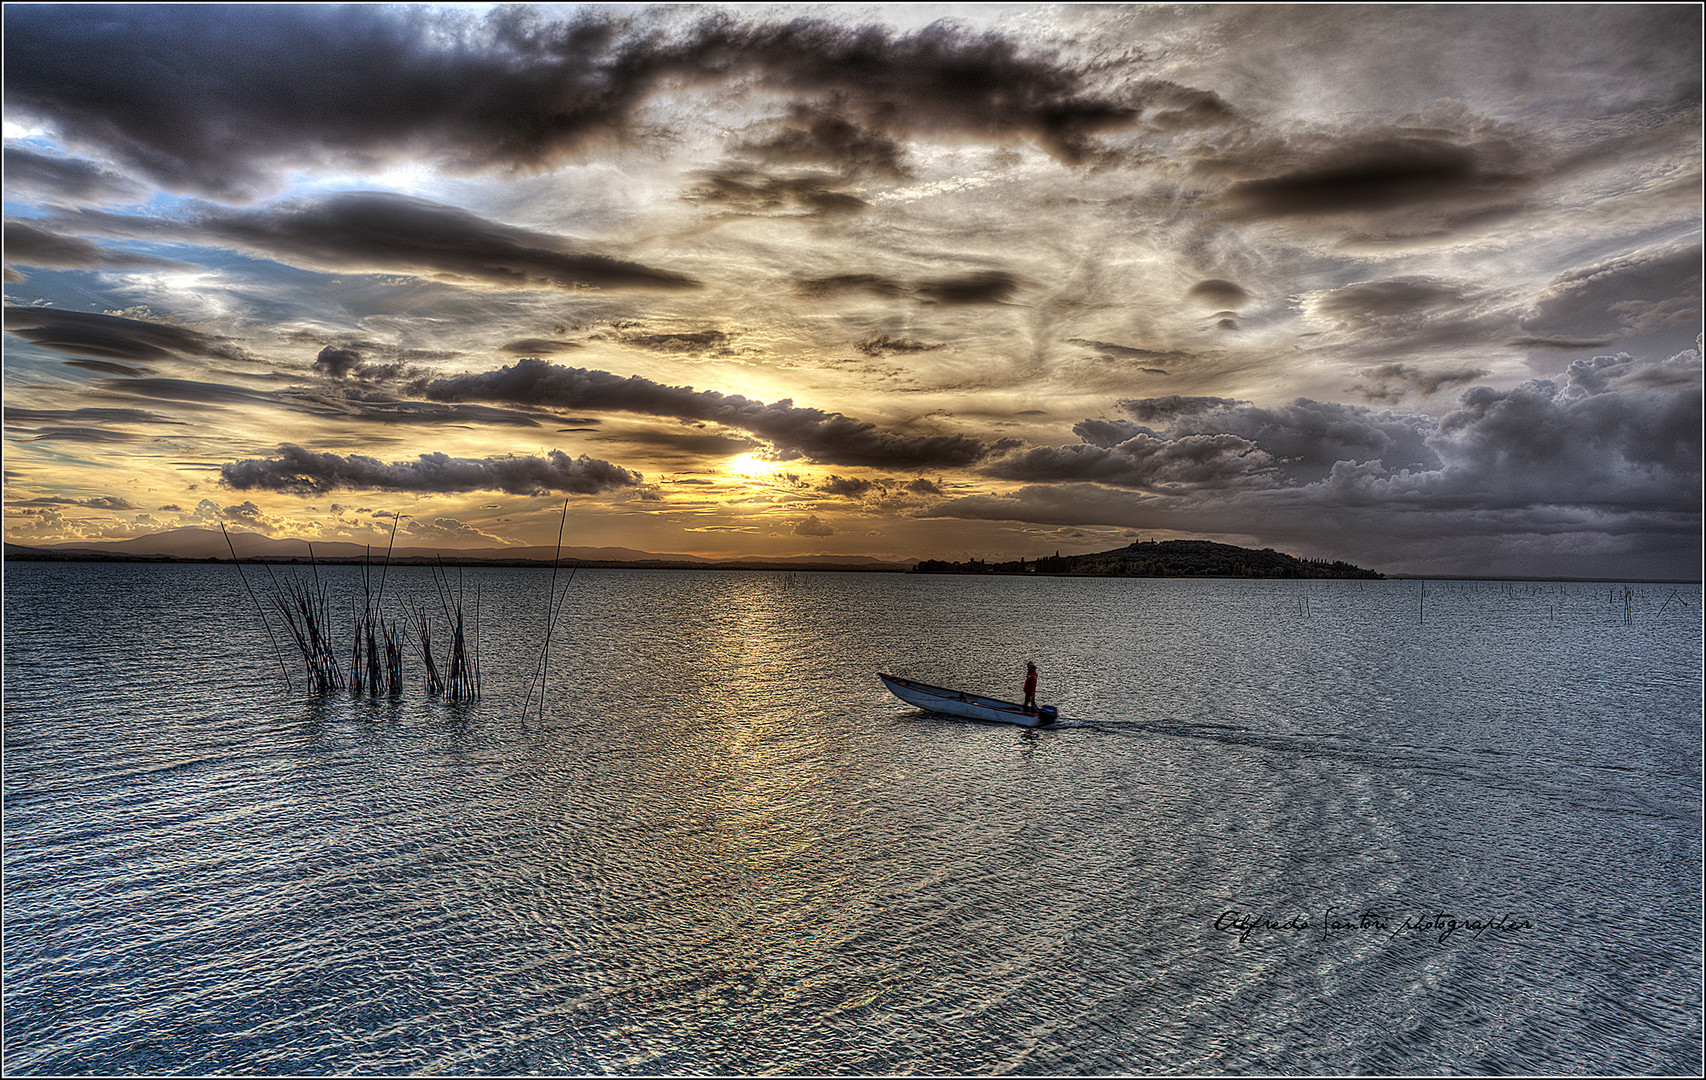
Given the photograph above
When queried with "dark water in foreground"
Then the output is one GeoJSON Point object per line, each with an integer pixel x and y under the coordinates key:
{"type": "Point", "coordinates": [724, 848]}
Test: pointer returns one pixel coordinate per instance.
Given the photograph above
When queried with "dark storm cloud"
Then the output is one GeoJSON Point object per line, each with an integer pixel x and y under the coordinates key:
{"type": "Point", "coordinates": [1219, 293]}
{"type": "Point", "coordinates": [749, 191]}
{"type": "Point", "coordinates": [373, 231]}
{"type": "Point", "coordinates": [1390, 382]}
{"type": "Point", "coordinates": [56, 178]}
{"type": "Point", "coordinates": [1563, 344]}
{"type": "Point", "coordinates": [28, 245]}
{"type": "Point", "coordinates": [812, 137]}
{"type": "Point", "coordinates": [105, 416]}
{"type": "Point", "coordinates": [830, 438]}
{"type": "Point", "coordinates": [217, 99]}
{"type": "Point", "coordinates": [884, 345]}
{"type": "Point", "coordinates": [98, 436]}
{"type": "Point", "coordinates": [977, 287]}
{"type": "Point", "coordinates": [1386, 173]}
{"type": "Point", "coordinates": [691, 341]}
{"type": "Point", "coordinates": [1380, 184]}
{"type": "Point", "coordinates": [337, 363]}
{"type": "Point", "coordinates": [847, 486]}
{"type": "Point", "coordinates": [111, 337]}
{"type": "Point", "coordinates": [301, 472]}
{"type": "Point", "coordinates": [985, 287]}
{"type": "Point", "coordinates": [884, 288]}
{"type": "Point", "coordinates": [538, 346]}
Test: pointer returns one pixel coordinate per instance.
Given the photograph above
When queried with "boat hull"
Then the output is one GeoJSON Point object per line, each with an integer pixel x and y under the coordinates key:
{"type": "Point", "coordinates": [939, 699]}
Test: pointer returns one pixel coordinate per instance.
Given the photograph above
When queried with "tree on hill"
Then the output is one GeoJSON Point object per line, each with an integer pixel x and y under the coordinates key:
{"type": "Point", "coordinates": [1163, 558]}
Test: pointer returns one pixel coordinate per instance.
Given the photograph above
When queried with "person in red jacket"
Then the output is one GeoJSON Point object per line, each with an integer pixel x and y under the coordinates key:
{"type": "Point", "coordinates": [1030, 686]}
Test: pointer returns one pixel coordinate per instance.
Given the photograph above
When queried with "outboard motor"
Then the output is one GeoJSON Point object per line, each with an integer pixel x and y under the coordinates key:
{"type": "Point", "coordinates": [1048, 714]}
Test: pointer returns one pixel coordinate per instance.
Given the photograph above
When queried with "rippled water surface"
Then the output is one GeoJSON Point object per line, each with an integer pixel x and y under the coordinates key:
{"type": "Point", "coordinates": [1286, 827]}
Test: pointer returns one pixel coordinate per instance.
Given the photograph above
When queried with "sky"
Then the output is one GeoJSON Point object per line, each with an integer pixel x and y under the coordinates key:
{"type": "Point", "coordinates": [1415, 287]}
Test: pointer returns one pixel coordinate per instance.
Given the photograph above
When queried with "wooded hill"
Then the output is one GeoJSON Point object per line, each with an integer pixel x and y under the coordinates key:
{"type": "Point", "coordinates": [1162, 558]}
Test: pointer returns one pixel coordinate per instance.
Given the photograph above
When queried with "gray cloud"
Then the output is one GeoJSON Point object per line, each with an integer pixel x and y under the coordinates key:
{"type": "Point", "coordinates": [28, 245]}
{"type": "Point", "coordinates": [1599, 437]}
{"type": "Point", "coordinates": [1307, 439]}
{"type": "Point", "coordinates": [1108, 433]}
{"type": "Point", "coordinates": [1614, 445]}
{"type": "Point", "coordinates": [1639, 300]}
{"type": "Point", "coordinates": [830, 438]}
{"type": "Point", "coordinates": [1142, 461]}
{"type": "Point", "coordinates": [58, 178]}
{"type": "Point", "coordinates": [379, 231]}
{"type": "Point", "coordinates": [368, 404]}
{"type": "Point", "coordinates": [336, 401]}
{"type": "Point", "coordinates": [1409, 313]}
{"type": "Point", "coordinates": [811, 526]}
{"type": "Point", "coordinates": [1163, 410]}
{"type": "Point", "coordinates": [100, 502]}
{"type": "Point", "coordinates": [690, 445]}
{"type": "Point", "coordinates": [111, 337]}
{"type": "Point", "coordinates": [1391, 382]}
{"type": "Point", "coordinates": [1112, 351]}
{"type": "Point", "coordinates": [220, 100]}
{"type": "Point", "coordinates": [749, 191]}
{"type": "Point", "coordinates": [301, 472]}
{"type": "Point", "coordinates": [107, 367]}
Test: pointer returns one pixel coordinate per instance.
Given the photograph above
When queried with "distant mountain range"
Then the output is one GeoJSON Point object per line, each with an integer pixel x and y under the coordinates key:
{"type": "Point", "coordinates": [200, 545]}
{"type": "Point", "coordinates": [1165, 558]}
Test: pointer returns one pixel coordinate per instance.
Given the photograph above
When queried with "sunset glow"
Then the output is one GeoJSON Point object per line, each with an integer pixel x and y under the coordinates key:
{"type": "Point", "coordinates": [908, 282]}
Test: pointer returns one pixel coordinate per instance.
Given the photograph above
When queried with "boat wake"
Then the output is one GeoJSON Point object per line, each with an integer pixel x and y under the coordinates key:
{"type": "Point", "coordinates": [1584, 784]}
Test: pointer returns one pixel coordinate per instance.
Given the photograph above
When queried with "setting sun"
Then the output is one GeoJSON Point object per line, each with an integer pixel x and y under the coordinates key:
{"type": "Point", "coordinates": [752, 466]}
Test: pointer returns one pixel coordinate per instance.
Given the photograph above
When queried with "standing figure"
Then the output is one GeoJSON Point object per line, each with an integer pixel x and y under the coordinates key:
{"type": "Point", "coordinates": [1030, 686]}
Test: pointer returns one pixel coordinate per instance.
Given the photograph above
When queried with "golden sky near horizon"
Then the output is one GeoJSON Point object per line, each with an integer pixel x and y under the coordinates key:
{"type": "Point", "coordinates": [1414, 287]}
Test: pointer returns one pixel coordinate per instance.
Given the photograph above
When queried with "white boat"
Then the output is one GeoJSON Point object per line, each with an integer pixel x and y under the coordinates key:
{"type": "Point", "coordinates": [972, 706]}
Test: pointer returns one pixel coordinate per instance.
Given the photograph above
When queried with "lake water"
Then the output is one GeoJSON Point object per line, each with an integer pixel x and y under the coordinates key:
{"type": "Point", "coordinates": [1369, 827]}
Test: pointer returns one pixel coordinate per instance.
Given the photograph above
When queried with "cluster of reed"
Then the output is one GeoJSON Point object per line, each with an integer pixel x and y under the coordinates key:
{"type": "Point", "coordinates": [376, 652]}
{"type": "Point", "coordinates": [461, 681]}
